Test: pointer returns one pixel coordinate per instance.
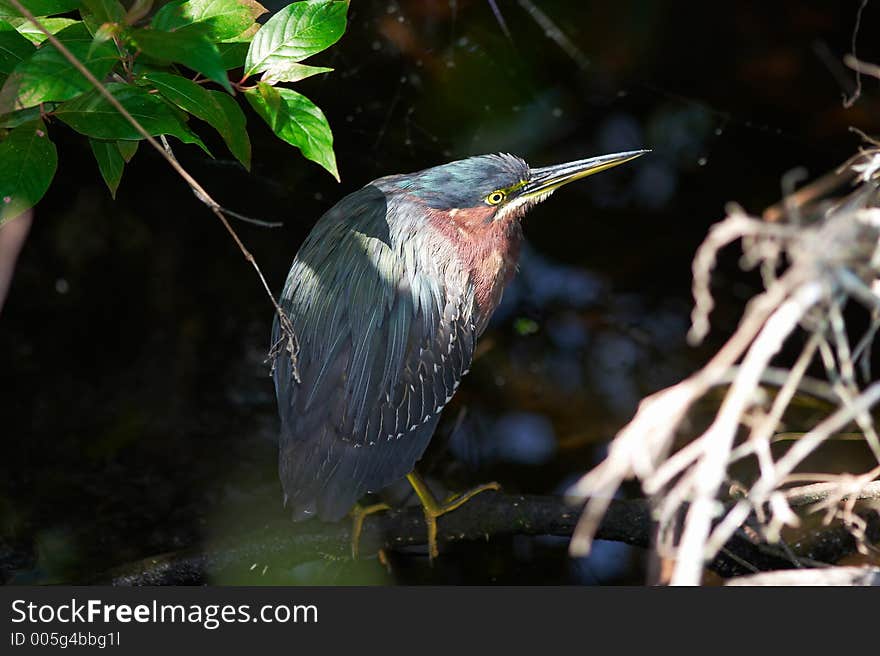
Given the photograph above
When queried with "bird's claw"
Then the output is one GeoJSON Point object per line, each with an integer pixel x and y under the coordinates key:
{"type": "Point", "coordinates": [434, 509]}
{"type": "Point", "coordinates": [358, 514]}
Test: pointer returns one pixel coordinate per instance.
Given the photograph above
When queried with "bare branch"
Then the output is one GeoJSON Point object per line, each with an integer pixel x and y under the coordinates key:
{"type": "Point", "coordinates": [805, 495]}
{"type": "Point", "coordinates": [828, 254]}
{"type": "Point", "coordinates": [849, 576]}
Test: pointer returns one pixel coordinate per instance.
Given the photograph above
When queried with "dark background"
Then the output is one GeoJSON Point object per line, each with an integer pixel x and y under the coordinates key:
{"type": "Point", "coordinates": [137, 412]}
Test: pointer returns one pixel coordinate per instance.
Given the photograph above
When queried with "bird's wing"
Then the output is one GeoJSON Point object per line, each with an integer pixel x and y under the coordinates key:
{"type": "Point", "coordinates": [383, 346]}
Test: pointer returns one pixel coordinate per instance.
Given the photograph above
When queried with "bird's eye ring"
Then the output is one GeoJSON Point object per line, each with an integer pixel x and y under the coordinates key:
{"type": "Point", "coordinates": [495, 197]}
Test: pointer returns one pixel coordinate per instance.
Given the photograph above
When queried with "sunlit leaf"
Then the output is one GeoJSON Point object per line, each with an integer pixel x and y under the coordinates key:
{"type": "Point", "coordinates": [14, 48]}
{"type": "Point", "coordinates": [110, 162]}
{"type": "Point", "coordinates": [246, 36]}
{"type": "Point", "coordinates": [47, 75]}
{"type": "Point", "coordinates": [292, 73]}
{"type": "Point", "coordinates": [190, 48]}
{"type": "Point", "coordinates": [222, 19]}
{"type": "Point", "coordinates": [92, 115]}
{"type": "Point", "coordinates": [296, 120]}
{"type": "Point", "coordinates": [214, 107]}
{"type": "Point", "coordinates": [28, 160]}
{"type": "Point", "coordinates": [103, 34]}
{"type": "Point", "coordinates": [33, 33]}
{"type": "Point", "coordinates": [294, 33]}
{"type": "Point", "coordinates": [39, 7]}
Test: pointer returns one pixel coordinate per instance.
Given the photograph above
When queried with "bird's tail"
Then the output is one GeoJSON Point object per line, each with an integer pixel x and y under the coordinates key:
{"type": "Point", "coordinates": [325, 477]}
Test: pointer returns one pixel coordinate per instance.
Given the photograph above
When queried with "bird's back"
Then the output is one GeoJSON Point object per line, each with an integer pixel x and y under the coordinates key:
{"type": "Point", "coordinates": [386, 326]}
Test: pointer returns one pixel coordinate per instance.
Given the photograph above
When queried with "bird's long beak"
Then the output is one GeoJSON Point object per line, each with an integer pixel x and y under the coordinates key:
{"type": "Point", "coordinates": [549, 178]}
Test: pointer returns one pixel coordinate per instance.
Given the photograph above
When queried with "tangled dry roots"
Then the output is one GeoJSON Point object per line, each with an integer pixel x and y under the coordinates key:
{"type": "Point", "coordinates": [815, 255]}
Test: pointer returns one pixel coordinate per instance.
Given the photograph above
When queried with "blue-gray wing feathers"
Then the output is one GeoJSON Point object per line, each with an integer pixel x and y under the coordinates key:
{"type": "Point", "coordinates": [384, 341]}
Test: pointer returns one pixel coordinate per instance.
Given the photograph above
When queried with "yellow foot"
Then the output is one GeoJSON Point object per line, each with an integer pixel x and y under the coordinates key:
{"type": "Point", "coordinates": [358, 514]}
{"type": "Point", "coordinates": [434, 509]}
{"type": "Point", "coordinates": [384, 560]}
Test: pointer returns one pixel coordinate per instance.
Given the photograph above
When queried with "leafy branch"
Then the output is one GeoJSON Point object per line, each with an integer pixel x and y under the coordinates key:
{"type": "Point", "coordinates": [119, 77]}
{"type": "Point", "coordinates": [119, 83]}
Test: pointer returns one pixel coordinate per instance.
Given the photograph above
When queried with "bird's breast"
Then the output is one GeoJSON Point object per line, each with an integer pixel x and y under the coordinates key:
{"type": "Point", "coordinates": [488, 250]}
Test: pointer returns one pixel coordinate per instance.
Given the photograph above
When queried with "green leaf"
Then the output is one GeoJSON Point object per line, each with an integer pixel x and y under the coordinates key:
{"type": "Point", "coordinates": [38, 7]}
{"type": "Point", "coordinates": [187, 47]}
{"type": "Point", "coordinates": [14, 48]}
{"type": "Point", "coordinates": [232, 54]}
{"type": "Point", "coordinates": [294, 33]}
{"type": "Point", "coordinates": [27, 165]}
{"type": "Point", "coordinates": [525, 326]}
{"type": "Point", "coordinates": [292, 73]}
{"type": "Point", "coordinates": [33, 33]}
{"type": "Point", "coordinates": [102, 34]}
{"type": "Point", "coordinates": [221, 19]}
{"type": "Point", "coordinates": [47, 75]}
{"type": "Point", "coordinates": [127, 149]}
{"type": "Point", "coordinates": [214, 107]}
{"type": "Point", "coordinates": [235, 136]}
{"type": "Point", "coordinates": [246, 36]}
{"type": "Point", "coordinates": [296, 120]}
{"type": "Point", "coordinates": [14, 119]}
{"type": "Point", "coordinates": [104, 11]}
{"type": "Point", "coordinates": [104, 18]}
{"type": "Point", "coordinates": [110, 162]}
{"type": "Point", "coordinates": [92, 115]}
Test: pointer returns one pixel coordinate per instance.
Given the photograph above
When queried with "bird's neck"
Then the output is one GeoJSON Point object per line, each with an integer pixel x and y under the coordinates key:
{"type": "Point", "coordinates": [487, 249]}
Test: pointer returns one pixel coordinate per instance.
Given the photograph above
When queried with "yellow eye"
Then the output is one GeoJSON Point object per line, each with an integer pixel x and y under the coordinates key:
{"type": "Point", "coordinates": [495, 197]}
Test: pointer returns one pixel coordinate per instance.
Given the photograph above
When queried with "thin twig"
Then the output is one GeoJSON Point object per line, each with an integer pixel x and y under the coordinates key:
{"type": "Point", "coordinates": [849, 102]}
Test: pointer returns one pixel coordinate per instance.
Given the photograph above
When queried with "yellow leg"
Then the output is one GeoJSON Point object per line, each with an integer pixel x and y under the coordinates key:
{"type": "Point", "coordinates": [358, 514]}
{"type": "Point", "coordinates": [434, 509]}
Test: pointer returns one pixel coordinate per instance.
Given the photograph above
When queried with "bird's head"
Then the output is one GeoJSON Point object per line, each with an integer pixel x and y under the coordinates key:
{"type": "Point", "coordinates": [493, 187]}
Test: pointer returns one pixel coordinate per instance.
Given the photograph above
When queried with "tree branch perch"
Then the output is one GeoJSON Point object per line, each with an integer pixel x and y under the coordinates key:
{"type": "Point", "coordinates": [486, 516]}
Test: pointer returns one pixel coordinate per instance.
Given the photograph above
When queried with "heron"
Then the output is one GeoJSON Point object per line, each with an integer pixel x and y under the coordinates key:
{"type": "Point", "coordinates": [387, 298]}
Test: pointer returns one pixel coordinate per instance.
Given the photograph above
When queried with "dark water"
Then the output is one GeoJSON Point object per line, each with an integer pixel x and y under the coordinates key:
{"type": "Point", "coordinates": [138, 416]}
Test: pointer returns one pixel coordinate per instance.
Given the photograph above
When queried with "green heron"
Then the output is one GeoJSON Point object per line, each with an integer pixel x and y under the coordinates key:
{"type": "Point", "coordinates": [387, 297]}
